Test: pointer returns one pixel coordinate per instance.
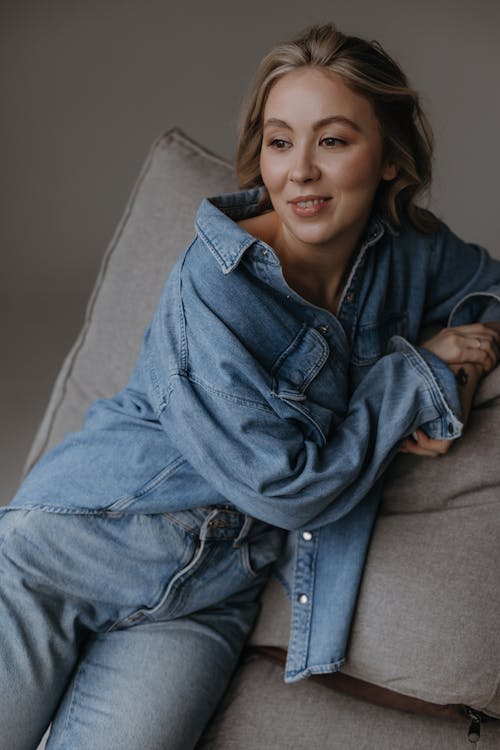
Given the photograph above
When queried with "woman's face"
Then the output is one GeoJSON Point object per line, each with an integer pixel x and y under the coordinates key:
{"type": "Point", "coordinates": [321, 158]}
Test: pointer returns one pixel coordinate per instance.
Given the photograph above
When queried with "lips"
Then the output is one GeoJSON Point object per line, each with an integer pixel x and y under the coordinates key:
{"type": "Point", "coordinates": [309, 205]}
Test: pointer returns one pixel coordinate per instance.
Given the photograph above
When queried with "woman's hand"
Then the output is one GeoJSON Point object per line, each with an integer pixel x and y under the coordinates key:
{"type": "Point", "coordinates": [470, 351]}
{"type": "Point", "coordinates": [468, 376]}
{"type": "Point", "coordinates": [476, 344]}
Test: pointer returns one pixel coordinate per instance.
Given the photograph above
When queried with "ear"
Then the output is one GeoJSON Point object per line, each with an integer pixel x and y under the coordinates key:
{"type": "Point", "coordinates": [389, 171]}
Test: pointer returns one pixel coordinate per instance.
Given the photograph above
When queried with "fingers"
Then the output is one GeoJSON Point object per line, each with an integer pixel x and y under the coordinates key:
{"type": "Point", "coordinates": [478, 350]}
{"type": "Point", "coordinates": [473, 343]}
{"type": "Point", "coordinates": [422, 445]}
{"type": "Point", "coordinates": [479, 336]}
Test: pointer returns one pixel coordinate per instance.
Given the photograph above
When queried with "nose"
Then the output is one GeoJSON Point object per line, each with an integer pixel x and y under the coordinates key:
{"type": "Point", "coordinates": [304, 167]}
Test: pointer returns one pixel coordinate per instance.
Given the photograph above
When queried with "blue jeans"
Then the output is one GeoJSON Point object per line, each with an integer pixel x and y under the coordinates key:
{"type": "Point", "coordinates": [123, 630]}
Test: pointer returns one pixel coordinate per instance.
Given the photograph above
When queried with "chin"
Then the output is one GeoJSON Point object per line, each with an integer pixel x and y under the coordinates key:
{"type": "Point", "coordinates": [315, 236]}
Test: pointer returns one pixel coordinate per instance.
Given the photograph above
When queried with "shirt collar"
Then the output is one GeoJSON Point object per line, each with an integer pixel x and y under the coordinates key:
{"type": "Point", "coordinates": [217, 228]}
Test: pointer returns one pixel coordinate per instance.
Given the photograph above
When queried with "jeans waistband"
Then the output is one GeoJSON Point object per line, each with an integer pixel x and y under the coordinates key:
{"type": "Point", "coordinates": [214, 523]}
{"type": "Point", "coordinates": [225, 525]}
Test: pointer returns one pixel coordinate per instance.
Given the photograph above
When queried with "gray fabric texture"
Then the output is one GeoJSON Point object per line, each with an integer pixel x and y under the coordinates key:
{"type": "Point", "coordinates": [429, 603]}
{"type": "Point", "coordinates": [261, 712]}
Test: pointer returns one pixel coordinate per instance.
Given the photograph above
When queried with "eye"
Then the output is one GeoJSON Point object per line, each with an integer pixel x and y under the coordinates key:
{"type": "Point", "coordinates": [279, 144]}
{"type": "Point", "coordinates": [331, 142]}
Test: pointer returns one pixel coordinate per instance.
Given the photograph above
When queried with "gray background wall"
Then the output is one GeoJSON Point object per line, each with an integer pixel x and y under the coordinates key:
{"type": "Point", "coordinates": [87, 85]}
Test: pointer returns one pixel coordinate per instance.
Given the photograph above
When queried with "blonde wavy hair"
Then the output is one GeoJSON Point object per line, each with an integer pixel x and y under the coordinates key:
{"type": "Point", "coordinates": [368, 70]}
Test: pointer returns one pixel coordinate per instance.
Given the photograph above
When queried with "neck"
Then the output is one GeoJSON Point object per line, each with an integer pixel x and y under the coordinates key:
{"type": "Point", "coordinates": [317, 272]}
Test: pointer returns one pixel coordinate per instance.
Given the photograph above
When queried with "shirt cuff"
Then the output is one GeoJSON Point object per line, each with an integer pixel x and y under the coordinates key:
{"type": "Point", "coordinates": [441, 384]}
{"type": "Point", "coordinates": [478, 306]}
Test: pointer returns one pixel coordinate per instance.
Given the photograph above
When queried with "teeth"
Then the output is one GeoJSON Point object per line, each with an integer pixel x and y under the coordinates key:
{"type": "Point", "coordinates": [308, 204]}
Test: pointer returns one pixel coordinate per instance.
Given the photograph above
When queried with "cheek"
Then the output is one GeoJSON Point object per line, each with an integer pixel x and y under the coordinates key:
{"type": "Point", "coordinates": [365, 171]}
{"type": "Point", "coordinates": [271, 173]}
{"type": "Point", "coordinates": [360, 170]}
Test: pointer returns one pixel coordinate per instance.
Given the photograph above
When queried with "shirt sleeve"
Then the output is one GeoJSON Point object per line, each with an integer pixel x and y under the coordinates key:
{"type": "Point", "coordinates": [463, 285]}
{"type": "Point", "coordinates": [268, 466]}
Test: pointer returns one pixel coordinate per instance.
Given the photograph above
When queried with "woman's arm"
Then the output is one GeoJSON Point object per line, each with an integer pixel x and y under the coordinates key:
{"type": "Point", "coordinates": [272, 465]}
{"type": "Point", "coordinates": [471, 351]}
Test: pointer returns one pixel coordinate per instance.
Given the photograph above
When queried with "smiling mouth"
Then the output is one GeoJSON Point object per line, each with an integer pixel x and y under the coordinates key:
{"type": "Point", "coordinates": [310, 202]}
{"type": "Point", "coordinates": [308, 206]}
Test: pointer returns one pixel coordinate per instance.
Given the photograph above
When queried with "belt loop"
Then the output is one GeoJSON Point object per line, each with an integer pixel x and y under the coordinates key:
{"type": "Point", "coordinates": [207, 523]}
{"type": "Point", "coordinates": [247, 525]}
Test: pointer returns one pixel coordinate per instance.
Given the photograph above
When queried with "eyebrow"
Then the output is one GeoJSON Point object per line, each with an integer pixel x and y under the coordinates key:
{"type": "Point", "coordinates": [317, 125]}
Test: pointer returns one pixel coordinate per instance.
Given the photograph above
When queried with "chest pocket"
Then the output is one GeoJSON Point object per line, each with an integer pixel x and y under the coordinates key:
{"type": "Point", "coordinates": [371, 340]}
{"type": "Point", "coordinates": [308, 378]}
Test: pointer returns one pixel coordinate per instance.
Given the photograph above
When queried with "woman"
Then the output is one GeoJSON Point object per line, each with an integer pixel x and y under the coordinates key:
{"type": "Point", "coordinates": [277, 380]}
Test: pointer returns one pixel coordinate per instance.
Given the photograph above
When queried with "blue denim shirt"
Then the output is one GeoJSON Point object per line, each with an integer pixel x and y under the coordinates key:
{"type": "Point", "coordinates": [247, 395]}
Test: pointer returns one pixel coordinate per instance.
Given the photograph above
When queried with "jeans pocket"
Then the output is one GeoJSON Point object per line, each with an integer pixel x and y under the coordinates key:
{"type": "Point", "coordinates": [261, 549]}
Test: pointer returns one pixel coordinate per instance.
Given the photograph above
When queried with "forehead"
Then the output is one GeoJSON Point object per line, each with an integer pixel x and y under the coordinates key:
{"type": "Point", "coordinates": [311, 93]}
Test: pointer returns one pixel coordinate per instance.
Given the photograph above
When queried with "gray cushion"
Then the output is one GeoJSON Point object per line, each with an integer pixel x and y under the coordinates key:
{"type": "Point", "coordinates": [429, 603]}
{"type": "Point", "coordinates": [261, 712]}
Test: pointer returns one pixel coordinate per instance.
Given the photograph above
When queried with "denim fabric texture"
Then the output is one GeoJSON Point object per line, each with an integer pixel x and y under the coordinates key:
{"type": "Point", "coordinates": [124, 629]}
{"type": "Point", "coordinates": [245, 395]}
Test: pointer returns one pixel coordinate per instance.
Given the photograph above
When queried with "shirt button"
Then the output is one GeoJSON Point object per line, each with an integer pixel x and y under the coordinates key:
{"type": "Point", "coordinates": [323, 328]}
{"type": "Point", "coordinates": [307, 536]}
{"type": "Point", "coordinates": [303, 599]}
{"type": "Point", "coordinates": [350, 297]}
{"type": "Point", "coordinates": [265, 252]}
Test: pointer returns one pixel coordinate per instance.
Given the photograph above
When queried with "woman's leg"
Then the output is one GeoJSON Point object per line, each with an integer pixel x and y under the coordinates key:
{"type": "Point", "coordinates": [153, 686]}
{"type": "Point", "coordinates": [74, 588]}
{"type": "Point", "coordinates": [37, 654]}
{"type": "Point", "coordinates": [63, 579]}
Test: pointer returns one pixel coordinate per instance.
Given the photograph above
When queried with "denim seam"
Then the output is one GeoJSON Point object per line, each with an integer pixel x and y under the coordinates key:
{"type": "Point", "coordinates": [293, 404]}
{"type": "Point", "coordinates": [227, 396]}
{"type": "Point", "coordinates": [299, 674]}
{"type": "Point", "coordinates": [433, 386]}
{"type": "Point", "coordinates": [202, 554]}
{"type": "Point", "coordinates": [152, 484]}
{"type": "Point", "coordinates": [244, 557]}
{"type": "Point", "coordinates": [174, 518]}
{"type": "Point", "coordinates": [163, 590]}
{"type": "Point", "coordinates": [226, 267]}
{"type": "Point", "coordinates": [70, 712]}
{"type": "Point", "coordinates": [422, 367]}
{"type": "Point", "coordinates": [314, 368]}
{"type": "Point", "coordinates": [365, 361]}
{"type": "Point", "coordinates": [184, 349]}
{"type": "Point", "coordinates": [465, 299]}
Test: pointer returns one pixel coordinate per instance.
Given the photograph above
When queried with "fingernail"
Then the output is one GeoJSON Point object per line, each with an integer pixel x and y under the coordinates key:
{"type": "Point", "coordinates": [415, 436]}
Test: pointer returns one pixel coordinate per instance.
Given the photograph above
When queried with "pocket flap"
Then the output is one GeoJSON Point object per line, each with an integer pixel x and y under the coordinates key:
{"type": "Point", "coordinates": [299, 364]}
